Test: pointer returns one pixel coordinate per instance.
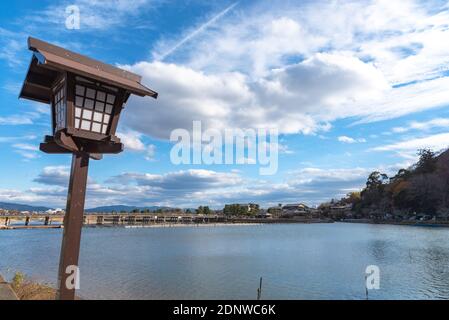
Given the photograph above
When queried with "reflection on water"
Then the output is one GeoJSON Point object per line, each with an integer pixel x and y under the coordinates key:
{"type": "Point", "coordinates": [296, 261]}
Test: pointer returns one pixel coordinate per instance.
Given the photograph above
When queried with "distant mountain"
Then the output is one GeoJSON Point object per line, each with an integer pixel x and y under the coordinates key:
{"type": "Point", "coordinates": [121, 208]}
{"type": "Point", "coordinates": [106, 209]}
{"type": "Point", "coordinates": [21, 207]}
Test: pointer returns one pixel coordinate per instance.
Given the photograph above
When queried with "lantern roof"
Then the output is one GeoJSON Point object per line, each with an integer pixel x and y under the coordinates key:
{"type": "Point", "coordinates": [49, 61]}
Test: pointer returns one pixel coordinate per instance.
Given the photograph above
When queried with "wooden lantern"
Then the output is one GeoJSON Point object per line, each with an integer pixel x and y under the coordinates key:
{"type": "Point", "coordinates": [86, 98]}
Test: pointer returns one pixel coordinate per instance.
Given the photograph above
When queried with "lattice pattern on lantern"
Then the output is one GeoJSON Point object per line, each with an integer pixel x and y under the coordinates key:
{"type": "Point", "coordinates": [93, 109]}
{"type": "Point", "coordinates": [60, 108]}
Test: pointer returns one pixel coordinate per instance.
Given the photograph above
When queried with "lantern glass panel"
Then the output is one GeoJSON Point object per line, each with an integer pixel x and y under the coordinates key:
{"type": "Point", "coordinates": [96, 127]}
{"type": "Point", "coordinates": [60, 108]}
{"type": "Point", "coordinates": [98, 117]}
{"type": "Point", "coordinates": [94, 108]}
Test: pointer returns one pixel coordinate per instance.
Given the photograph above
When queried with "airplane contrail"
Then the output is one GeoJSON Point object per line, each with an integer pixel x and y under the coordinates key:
{"type": "Point", "coordinates": [196, 32]}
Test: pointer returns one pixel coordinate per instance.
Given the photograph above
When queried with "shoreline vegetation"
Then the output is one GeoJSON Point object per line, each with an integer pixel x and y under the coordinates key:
{"type": "Point", "coordinates": [433, 224]}
{"type": "Point", "coordinates": [416, 195]}
{"type": "Point", "coordinates": [26, 289]}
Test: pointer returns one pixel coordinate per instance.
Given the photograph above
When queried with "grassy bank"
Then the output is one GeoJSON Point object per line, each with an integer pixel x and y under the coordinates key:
{"type": "Point", "coordinates": [27, 289]}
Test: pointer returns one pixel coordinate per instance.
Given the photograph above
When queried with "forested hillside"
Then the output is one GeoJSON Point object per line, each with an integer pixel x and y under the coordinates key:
{"type": "Point", "coordinates": [421, 189]}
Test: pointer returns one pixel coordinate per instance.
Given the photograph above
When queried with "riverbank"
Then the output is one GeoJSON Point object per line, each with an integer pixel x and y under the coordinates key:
{"type": "Point", "coordinates": [413, 223]}
{"type": "Point", "coordinates": [12, 227]}
{"type": "Point", "coordinates": [6, 291]}
{"type": "Point", "coordinates": [22, 288]}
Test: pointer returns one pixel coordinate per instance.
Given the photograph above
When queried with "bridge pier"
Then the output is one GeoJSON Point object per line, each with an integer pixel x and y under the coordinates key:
{"type": "Point", "coordinates": [99, 220]}
{"type": "Point", "coordinates": [131, 220]}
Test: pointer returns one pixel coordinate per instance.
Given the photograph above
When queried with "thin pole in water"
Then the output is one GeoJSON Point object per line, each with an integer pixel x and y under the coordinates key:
{"type": "Point", "coordinates": [366, 288]}
{"type": "Point", "coordinates": [259, 290]}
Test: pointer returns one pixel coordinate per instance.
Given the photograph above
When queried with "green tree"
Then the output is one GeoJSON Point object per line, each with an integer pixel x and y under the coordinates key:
{"type": "Point", "coordinates": [374, 193]}
{"type": "Point", "coordinates": [253, 209]}
{"type": "Point", "coordinates": [376, 180]}
{"type": "Point", "coordinates": [200, 210]}
{"type": "Point", "coordinates": [427, 161]}
{"type": "Point", "coordinates": [235, 210]}
{"type": "Point", "coordinates": [402, 174]}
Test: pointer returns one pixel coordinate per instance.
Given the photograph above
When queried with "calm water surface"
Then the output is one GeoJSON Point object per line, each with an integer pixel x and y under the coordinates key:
{"type": "Point", "coordinates": [296, 261]}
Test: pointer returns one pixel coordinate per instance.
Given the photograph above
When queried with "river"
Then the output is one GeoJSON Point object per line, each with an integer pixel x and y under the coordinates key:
{"type": "Point", "coordinates": [296, 261]}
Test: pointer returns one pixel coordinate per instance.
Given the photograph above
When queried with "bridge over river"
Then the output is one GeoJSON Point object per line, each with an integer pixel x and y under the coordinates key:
{"type": "Point", "coordinates": [130, 219]}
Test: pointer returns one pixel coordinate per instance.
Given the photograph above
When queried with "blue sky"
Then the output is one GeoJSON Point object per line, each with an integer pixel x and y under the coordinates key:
{"type": "Point", "coordinates": [352, 87]}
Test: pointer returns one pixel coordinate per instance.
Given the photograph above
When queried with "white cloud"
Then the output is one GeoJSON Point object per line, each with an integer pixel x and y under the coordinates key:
{"type": "Point", "coordinates": [150, 152]}
{"type": "Point", "coordinates": [19, 196]}
{"type": "Point", "coordinates": [12, 87]}
{"type": "Point", "coordinates": [16, 138]}
{"type": "Point", "coordinates": [284, 149]}
{"type": "Point", "coordinates": [346, 139]}
{"type": "Point", "coordinates": [301, 98]}
{"type": "Point", "coordinates": [133, 142]}
{"type": "Point", "coordinates": [423, 125]}
{"type": "Point", "coordinates": [408, 148]}
{"type": "Point", "coordinates": [37, 111]}
{"type": "Point", "coordinates": [26, 150]}
{"type": "Point", "coordinates": [54, 175]}
{"type": "Point", "coordinates": [401, 101]}
{"type": "Point", "coordinates": [320, 175]}
{"type": "Point", "coordinates": [267, 68]}
{"type": "Point", "coordinates": [26, 147]}
{"type": "Point", "coordinates": [187, 180]}
{"type": "Point", "coordinates": [404, 38]}
{"type": "Point", "coordinates": [12, 46]}
{"type": "Point", "coordinates": [191, 188]}
{"type": "Point", "coordinates": [15, 120]}
{"type": "Point", "coordinates": [188, 188]}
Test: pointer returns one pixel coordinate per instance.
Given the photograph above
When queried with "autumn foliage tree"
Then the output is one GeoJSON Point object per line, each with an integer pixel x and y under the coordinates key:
{"type": "Point", "coordinates": [422, 188]}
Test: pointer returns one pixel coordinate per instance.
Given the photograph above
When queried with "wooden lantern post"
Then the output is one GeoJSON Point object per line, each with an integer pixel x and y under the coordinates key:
{"type": "Point", "coordinates": [86, 98]}
{"type": "Point", "coordinates": [73, 222]}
